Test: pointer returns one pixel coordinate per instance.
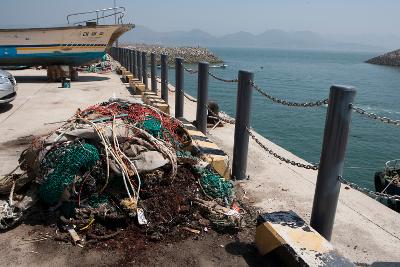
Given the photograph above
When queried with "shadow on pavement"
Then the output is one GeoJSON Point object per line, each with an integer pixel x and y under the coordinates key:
{"type": "Point", "coordinates": [5, 107]}
{"type": "Point", "coordinates": [43, 79]}
{"type": "Point", "coordinates": [250, 254]}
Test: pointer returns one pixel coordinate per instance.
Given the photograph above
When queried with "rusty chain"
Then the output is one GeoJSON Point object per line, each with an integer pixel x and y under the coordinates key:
{"type": "Point", "coordinates": [289, 103]}
{"type": "Point", "coordinates": [271, 152]}
{"type": "Point", "coordinates": [191, 71]}
{"type": "Point", "coordinates": [367, 191]}
{"type": "Point", "coordinates": [375, 116]}
{"type": "Point", "coordinates": [222, 79]}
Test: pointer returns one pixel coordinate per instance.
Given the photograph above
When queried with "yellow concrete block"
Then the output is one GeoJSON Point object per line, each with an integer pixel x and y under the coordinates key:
{"type": "Point", "coordinates": [209, 151]}
{"type": "Point", "coordinates": [140, 87]}
{"type": "Point", "coordinates": [286, 232]}
{"type": "Point", "coordinates": [129, 77]}
{"type": "Point", "coordinates": [118, 70]}
{"type": "Point", "coordinates": [164, 107]}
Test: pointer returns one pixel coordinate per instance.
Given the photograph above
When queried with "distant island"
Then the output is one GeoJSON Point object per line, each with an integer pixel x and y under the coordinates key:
{"type": "Point", "coordinates": [191, 55]}
{"type": "Point", "coordinates": [268, 39]}
{"type": "Point", "coordinates": [388, 59]}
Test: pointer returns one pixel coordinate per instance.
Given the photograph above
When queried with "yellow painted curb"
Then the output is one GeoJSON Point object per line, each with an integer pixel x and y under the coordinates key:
{"type": "Point", "coordinates": [208, 150]}
{"type": "Point", "coordinates": [295, 240]}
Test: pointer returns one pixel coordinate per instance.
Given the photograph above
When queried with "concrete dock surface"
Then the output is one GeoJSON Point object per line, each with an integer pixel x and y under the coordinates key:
{"type": "Point", "coordinates": [365, 231]}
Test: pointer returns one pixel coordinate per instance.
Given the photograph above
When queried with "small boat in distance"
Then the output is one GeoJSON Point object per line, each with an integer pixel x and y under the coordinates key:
{"type": "Point", "coordinates": [78, 43]}
{"type": "Point", "coordinates": [388, 182]}
{"type": "Point", "coordinates": [222, 66]}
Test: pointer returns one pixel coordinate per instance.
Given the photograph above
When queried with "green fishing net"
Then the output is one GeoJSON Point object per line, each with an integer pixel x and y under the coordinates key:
{"type": "Point", "coordinates": [60, 167]}
{"type": "Point", "coordinates": [214, 185]}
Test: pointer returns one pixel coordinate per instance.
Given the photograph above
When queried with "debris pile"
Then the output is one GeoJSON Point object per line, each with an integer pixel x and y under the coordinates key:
{"type": "Point", "coordinates": [120, 165]}
{"type": "Point", "coordinates": [105, 65]}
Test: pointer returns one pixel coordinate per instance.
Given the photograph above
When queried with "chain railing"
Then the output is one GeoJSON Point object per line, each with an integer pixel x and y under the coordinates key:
{"type": "Point", "coordinates": [378, 195]}
{"type": "Point", "coordinates": [222, 79]}
{"type": "Point", "coordinates": [281, 158]}
{"type": "Point", "coordinates": [374, 116]}
{"type": "Point", "coordinates": [341, 97]}
{"type": "Point", "coordinates": [191, 71]}
{"type": "Point", "coordinates": [289, 103]}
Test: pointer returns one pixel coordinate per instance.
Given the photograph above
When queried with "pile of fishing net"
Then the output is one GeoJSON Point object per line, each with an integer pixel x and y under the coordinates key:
{"type": "Point", "coordinates": [103, 66]}
{"type": "Point", "coordinates": [122, 164]}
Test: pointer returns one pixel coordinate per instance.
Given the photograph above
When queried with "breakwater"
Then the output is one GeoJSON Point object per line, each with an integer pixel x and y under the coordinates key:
{"type": "Point", "coordinates": [388, 59]}
{"type": "Point", "coordinates": [191, 55]}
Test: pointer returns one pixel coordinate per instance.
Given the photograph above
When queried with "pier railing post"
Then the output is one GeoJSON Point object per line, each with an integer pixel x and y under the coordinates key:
{"type": "Point", "coordinates": [179, 91]}
{"type": "Point", "coordinates": [124, 59]}
{"type": "Point", "coordinates": [128, 60]}
{"type": "Point", "coordinates": [119, 55]}
{"type": "Point", "coordinates": [164, 77]}
{"type": "Point", "coordinates": [139, 65]}
{"type": "Point", "coordinates": [135, 70]}
{"type": "Point", "coordinates": [202, 97]}
{"type": "Point", "coordinates": [241, 139]}
{"type": "Point", "coordinates": [144, 70]}
{"type": "Point", "coordinates": [132, 57]}
{"type": "Point", "coordinates": [153, 73]}
{"type": "Point", "coordinates": [336, 133]}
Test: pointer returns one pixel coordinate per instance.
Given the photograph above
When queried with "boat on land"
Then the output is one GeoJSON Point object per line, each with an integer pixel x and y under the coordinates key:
{"type": "Point", "coordinates": [79, 43]}
{"type": "Point", "coordinates": [388, 182]}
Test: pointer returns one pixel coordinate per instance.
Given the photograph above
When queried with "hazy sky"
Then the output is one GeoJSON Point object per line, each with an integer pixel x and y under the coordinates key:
{"type": "Point", "coordinates": [222, 16]}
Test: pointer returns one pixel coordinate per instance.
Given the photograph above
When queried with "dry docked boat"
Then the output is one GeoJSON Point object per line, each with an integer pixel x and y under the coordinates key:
{"type": "Point", "coordinates": [388, 182]}
{"type": "Point", "coordinates": [79, 43]}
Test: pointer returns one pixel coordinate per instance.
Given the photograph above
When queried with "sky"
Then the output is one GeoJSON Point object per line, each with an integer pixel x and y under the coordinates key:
{"type": "Point", "coordinates": [222, 16]}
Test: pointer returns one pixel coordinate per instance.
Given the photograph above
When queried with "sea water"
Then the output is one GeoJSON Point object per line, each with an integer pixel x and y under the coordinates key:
{"type": "Point", "coordinates": [307, 76]}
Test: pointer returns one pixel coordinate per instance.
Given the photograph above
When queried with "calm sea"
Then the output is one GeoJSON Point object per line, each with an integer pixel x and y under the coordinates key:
{"type": "Point", "coordinates": [307, 76]}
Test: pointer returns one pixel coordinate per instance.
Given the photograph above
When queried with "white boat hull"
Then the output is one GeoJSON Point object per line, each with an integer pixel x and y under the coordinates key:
{"type": "Point", "coordinates": [73, 46]}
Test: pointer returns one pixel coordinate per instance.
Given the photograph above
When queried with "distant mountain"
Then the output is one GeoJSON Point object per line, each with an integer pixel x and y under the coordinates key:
{"type": "Point", "coordinates": [268, 39]}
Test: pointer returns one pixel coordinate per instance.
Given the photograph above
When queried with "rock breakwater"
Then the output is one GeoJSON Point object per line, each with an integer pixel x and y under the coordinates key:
{"type": "Point", "coordinates": [388, 59]}
{"type": "Point", "coordinates": [191, 55]}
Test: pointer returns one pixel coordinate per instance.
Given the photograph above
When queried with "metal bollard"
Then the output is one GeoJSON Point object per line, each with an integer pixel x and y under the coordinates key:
{"type": "Point", "coordinates": [164, 77]}
{"type": "Point", "coordinates": [179, 91]}
{"type": "Point", "coordinates": [131, 56]}
{"type": "Point", "coordinates": [241, 139]}
{"type": "Point", "coordinates": [139, 65]}
{"type": "Point", "coordinates": [124, 57]}
{"type": "Point", "coordinates": [128, 60]}
{"type": "Point", "coordinates": [336, 133]}
{"type": "Point", "coordinates": [153, 73]}
{"type": "Point", "coordinates": [144, 70]}
{"type": "Point", "coordinates": [135, 70]}
{"type": "Point", "coordinates": [202, 97]}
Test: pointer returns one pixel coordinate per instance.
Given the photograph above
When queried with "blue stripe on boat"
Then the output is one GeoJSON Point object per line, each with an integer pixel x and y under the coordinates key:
{"type": "Point", "coordinates": [49, 45]}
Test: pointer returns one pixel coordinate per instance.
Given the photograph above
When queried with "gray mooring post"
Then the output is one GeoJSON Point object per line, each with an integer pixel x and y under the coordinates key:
{"type": "Point", "coordinates": [179, 91]}
{"type": "Point", "coordinates": [153, 73]}
{"type": "Point", "coordinates": [131, 55]}
{"type": "Point", "coordinates": [135, 70]}
{"type": "Point", "coordinates": [336, 133]}
{"type": "Point", "coordinates": [139, 64]}
{"type": "Point", "coordinates": [202, 97]}
{"type": "Point", "coordinates": [241, 140]}
{"type": "Point", "coordinates": [124, 57]}
{"type": "Point", "coordinates": [144, 70]}
{"type": "Point", "coordinates": [128, 60]}
{"type": "Point", "coordinates": [164, 77]}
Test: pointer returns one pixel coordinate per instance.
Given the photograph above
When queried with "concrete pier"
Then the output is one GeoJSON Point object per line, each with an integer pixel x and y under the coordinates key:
{"type": "Point", "coordinates": [365, 231]}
